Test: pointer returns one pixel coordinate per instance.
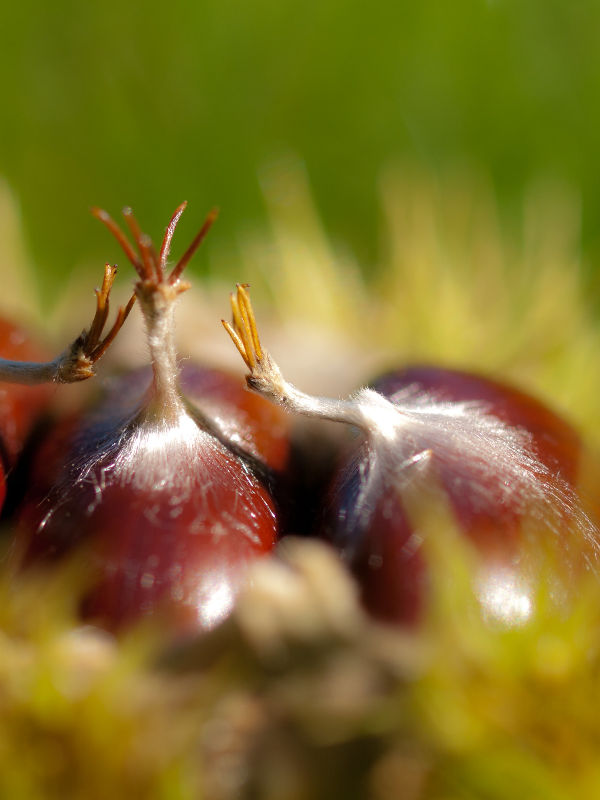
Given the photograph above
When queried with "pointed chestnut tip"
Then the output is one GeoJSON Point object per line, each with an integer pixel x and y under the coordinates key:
{"type": "Point", "coordinates": [99, 213]}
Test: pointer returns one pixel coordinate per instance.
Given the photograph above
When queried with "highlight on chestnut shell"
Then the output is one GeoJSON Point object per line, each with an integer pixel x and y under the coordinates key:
{"type": "Point", "coordinates": [167, 483]}
{"type": "Point", "coordinates": [504, 466]}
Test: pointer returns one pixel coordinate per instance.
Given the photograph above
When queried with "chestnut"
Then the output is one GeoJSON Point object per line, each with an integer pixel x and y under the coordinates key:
{"type": "Point", "coordinates": [506, 467]}
{"type": "Point", "coordinates": [166, 485]}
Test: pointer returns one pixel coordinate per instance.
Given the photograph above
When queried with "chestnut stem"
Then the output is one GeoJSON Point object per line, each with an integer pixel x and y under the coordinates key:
{"type": "Point", "coordinates": [367, 410]}
{"type": "Point", "coordinates": [158, 303]}
{"type": "Point", "coordinates": [31, 372]}
{"type": "Point", "coordinates": [265, 378]}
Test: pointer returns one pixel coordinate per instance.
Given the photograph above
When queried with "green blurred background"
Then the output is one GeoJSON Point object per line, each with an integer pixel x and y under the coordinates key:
{"type": "Point", "coordinates": [147, 104]}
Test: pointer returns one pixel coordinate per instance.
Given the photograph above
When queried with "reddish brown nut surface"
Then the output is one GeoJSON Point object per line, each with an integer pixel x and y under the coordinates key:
{"type": "Point", "coordinates": [20, 406]}
{"type": "Point", "coordinates": [510, 526]}
{"type": "Point", "coordinates": [168, 517]}
{"type": "Point", "coordinates": [166, 486]}
{"type": "Point", "coordinates": [511, 476]}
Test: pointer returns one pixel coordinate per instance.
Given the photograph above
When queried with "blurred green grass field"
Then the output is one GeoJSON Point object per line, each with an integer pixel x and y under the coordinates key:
{"type": "Point", "coordinates": [147, 104]}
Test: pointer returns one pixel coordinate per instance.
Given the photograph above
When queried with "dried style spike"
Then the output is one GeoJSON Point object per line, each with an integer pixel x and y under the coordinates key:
{"type": "Point", "coordinates": [103, 345]}
{"type": "Point", "coordinates": [265, 377]}
{"type": "Point", "coordinates": [246, 305]}
{"type": "Point", "coordinates": [144, 245]}
{"type": "Point", "coordinates": [149, 266]}
{"type": "Point", "coordinates": [185, 258]}
{"type": "Point", "coordinates": [112, 226]}
{"type": "Point", "coordinates": [158, 294]}
{"type": "Point", "coordinates": [242, 324]}
{"type": "Point", "coordinates": [78, 361]}
{"type": "Point", "coordinates": [168, 237]}
{"type": "Point", "coordinates": [243, 330]}
{"type": "Point", "coordinates": [235, 338]}
{"type": "Point", "coordinates": [102, 303]}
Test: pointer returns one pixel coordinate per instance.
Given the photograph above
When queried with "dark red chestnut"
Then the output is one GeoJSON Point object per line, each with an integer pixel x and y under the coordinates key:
{"type": "Point", "coordinates": [505, 466]}
{"type": "Point", "coordinates": [20, 406]}
{"type": "Point", "coordinates": [167, 482]}
{"type": "Point", "coordinates": [24, 377]}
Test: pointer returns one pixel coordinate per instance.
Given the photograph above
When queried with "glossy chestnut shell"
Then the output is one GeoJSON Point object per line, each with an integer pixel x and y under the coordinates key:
{"type": "Point", "coordinates": [385, 550]}
{"type": "Point", "coordinates": [20, 406]}
{"type": "Point", "coordinates": [167, 485]}
{"type": "Point", "coordinates": [169, 532]}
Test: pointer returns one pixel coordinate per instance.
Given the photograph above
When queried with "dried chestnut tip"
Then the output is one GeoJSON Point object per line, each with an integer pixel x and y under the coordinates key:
{"type": "Point", "coordinates": [243, 330]}
{"type": "Point", "coordinates": [265, 377]}
{"type": "Point", "coordinates": [197, 241]}
{"type": "Point", "coordinates": [106, 219]}
{"type": "Point", "coordinates": [149, 265]}
{"type": "Point", "coordinates": [77, 364]}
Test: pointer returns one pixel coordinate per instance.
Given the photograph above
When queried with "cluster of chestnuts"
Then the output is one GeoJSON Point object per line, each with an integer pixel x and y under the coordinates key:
{"type": "Point", "coordinates": [172, 483]}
